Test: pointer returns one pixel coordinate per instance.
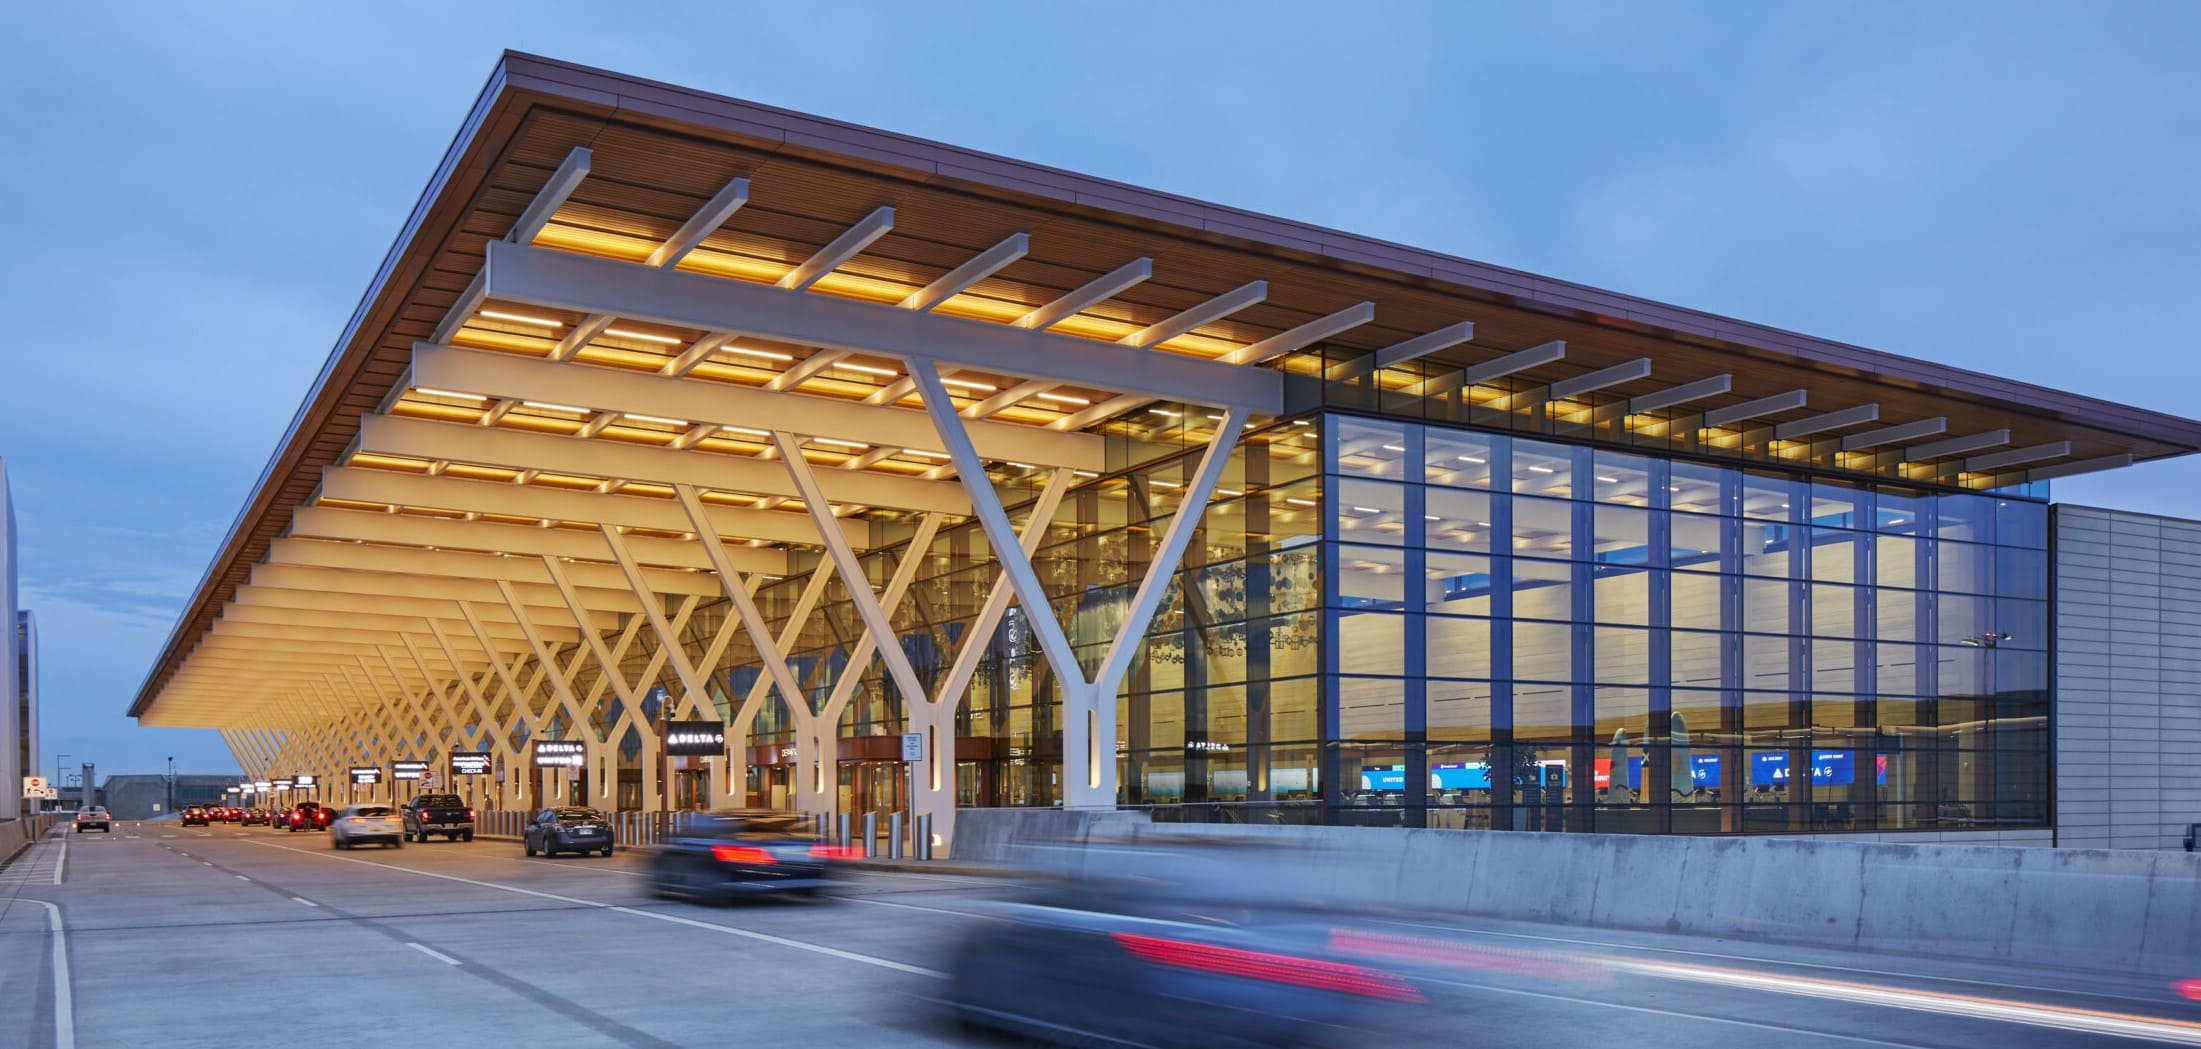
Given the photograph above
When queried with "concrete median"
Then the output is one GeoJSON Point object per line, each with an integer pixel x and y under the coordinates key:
{"type": "Point", "coordinates": [2111, 910]}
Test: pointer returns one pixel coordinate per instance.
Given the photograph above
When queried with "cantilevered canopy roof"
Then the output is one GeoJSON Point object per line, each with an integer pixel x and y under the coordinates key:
{"type": "Point", "coordinates": [619, 305]}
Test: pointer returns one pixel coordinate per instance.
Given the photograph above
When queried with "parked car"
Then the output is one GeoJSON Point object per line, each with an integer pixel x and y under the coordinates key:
{"type": "Point", "coordinates": [94, 818]}
{"type": "Point", "coordinates": [254, 816]}
{"type": "Point", "coordinates": [233, 815]}
{"type": "Point", "coordinates": [360, 824]}
{"type": "Point", "coordinates": [570, 829]}
{"type": "Point", "coordinates": [1127, 965]}
{"type": "Point", "coordinates": [308, 815]}
{"type": "Point", "coordinates": [196, 816]}
{"type": "Point", "coordinates": [445, 814]}
{"type": "Point", "coordinates": [717, 856]}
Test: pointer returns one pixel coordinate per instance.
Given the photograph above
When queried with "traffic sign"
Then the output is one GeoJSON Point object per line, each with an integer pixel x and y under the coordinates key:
{"type": "Point", "coordinates": [913, 746]}
{"type": "Point", "coordinates": [34, 786]}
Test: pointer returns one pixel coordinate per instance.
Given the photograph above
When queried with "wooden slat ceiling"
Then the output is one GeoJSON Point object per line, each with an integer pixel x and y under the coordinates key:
{"type": "Point", "coordinates": [659, 152]}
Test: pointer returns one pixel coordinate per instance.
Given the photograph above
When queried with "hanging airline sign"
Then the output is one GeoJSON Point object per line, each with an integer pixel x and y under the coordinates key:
{"type": "Point", "coordinates": [560, 754]}
{"type": "Point", "coordinates": [301, 780]}
{"type": "Point", "coordinates": [471, 763]}
{"type": "Point", "coordinates": [407, 769]}
{"type": "Point", "coordinates": [695, 739]}
{"type": "Point", "coordinates": [281, 784]}
{"type": "Point", "coordinates": [366, 775]}
{"type": "Point", "coordinates": [262, 786]}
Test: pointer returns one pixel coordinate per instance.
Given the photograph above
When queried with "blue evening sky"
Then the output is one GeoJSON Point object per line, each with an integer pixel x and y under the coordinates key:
{"type": "Point", "coordinates": [197, 195]}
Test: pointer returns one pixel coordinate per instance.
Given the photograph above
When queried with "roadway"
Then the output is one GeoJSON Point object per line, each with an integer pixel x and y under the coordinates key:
{"type": "Point", "coordinates": [243, 937]}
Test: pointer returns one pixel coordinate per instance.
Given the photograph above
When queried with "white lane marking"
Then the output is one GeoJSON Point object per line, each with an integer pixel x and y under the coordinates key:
{"type": "Point", "coordinates": [1680, 1015]}
{"type": "Point", "coordinates": [815, 948]}
{"type": "Point", "coordinates": [206, 863]}
{"type": "Point", "coordinates": [1999, 985]}
{"type": "Point", "coordinates": [64, 1000]}
{"type": "Point", "coordinates": [63, 862]}
{"type": "Point", "coordinates": [243, 878]}
{"type": "Point", "coordinates": [305, 901]}
{"type": "Point", "coordinates": [2117, 1025]}
{"type": "Point", "coordinates": [433, 953]}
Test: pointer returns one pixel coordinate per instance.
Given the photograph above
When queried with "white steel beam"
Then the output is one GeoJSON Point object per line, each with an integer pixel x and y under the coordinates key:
{"type": "Point", "coordinates": [1821, 423]}
{"type": "Point", "coordinates": [1896, 434]}
{"type": "Point", "coordinates": [706, 221]}
{"type": "Point", "coordinates": [686, 300]}
{"type": "Point", "coordinates": [1676, 396]}
{"type": "Point", "coordinates": [461, 495]}
{"type": "Point", "coordinates": [280, 601]}
{"type": "Point", "coordinates": [423, 439]}
{"type": "Point", "coordinates": [2018, 456]}
{"type": "Point", "coordinates": [1956, 445]}
{"type": "Point", "coordinates": [1088, 295]}
{"type": "Point", "coordinates": [615, 389]}
{"type": "Point", "coordinates": [701, 351]}
{"type": "Point", "coordinates": [450, 540]}
{"type": "Point", "coordinates": [1602, 378]}
{"type": "Point", "coordinates": [960, 279]}
{"type": "Point", "coordinates": [1423, 345]}
{"type": "Point", "coordinates": [559, 186]}
{"type": "Point", "coordinates": [582, 334]}
{"type": "Point", "coordinates": [417, 561]}
{"type": "Point", "coordinates": [394, 584]}
{"type": "Point", "coordinates": [848, 245]}
{"type": "Point", "coordinates": [1262, 352]}
{"type": "Point", "coordinates": [1757, 408]}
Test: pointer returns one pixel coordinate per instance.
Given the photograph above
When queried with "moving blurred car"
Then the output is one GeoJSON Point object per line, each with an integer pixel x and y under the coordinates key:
{"type": "Point", "coordinates": [1128, 965]}
{"type": "Point", "coordinates": [360, 824]}
{"type": "Point", "coordinates": [94, 818]}
{"type": "Point", "coordinates": [196, 816]}
{"type": "Point", "coordinates": [717, 856]}
{"type": "Point", "coordinates": [570, 829]}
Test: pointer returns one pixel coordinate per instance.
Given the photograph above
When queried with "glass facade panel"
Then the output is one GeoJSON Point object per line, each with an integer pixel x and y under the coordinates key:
{"type": "Point", "coordinates": [1405, 624]}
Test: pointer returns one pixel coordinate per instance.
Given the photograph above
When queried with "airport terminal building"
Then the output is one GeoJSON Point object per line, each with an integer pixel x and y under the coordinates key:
{"type": "Point", "coordinates": [1156, 504]}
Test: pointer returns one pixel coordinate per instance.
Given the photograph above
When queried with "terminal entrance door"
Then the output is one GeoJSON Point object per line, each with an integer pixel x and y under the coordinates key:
{"type": "Point", "coordinates": [873, 786]}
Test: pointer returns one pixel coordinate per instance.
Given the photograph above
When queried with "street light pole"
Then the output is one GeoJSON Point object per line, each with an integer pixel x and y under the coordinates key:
{"type": "Point", "coordinates": [171, 785]}
{"type": "Point", "coordinates": [57, 778]}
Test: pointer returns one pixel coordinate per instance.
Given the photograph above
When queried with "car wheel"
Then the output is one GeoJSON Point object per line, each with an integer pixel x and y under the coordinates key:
{"type": "Point", "coordinates": [607, 850]}
{"type": "Point", "coordinates": [398, 844]}
{"type": "Point", "coordinates": [468, 836]}
{"type": "Point", "coordinates": [527, 846]}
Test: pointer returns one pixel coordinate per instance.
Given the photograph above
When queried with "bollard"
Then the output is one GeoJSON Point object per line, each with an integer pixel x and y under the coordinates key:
{"type": "Point", "coordinates": [894, 836]}
{"type": "Point", "coordinates": [924, 837]}
{"type": "Point", "coordinates": [871, 834]}
{"type": "Point", "coordinates": [840, 837]}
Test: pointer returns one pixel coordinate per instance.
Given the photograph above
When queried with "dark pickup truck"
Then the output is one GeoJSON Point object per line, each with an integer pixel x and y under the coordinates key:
{"type": "Point", "coordinates": [445, 814]}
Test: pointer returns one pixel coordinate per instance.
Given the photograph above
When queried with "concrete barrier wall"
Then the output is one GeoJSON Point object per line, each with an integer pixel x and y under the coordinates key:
{"type": "Point", "coordinates": [2112, 910]}
{"type": "Point", "coordinates": [14, 834]}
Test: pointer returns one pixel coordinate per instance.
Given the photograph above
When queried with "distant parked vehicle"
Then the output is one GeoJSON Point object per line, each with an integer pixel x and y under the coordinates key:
{"type": "Point", "coordinates": [360, 824]}
{"type": "Point", "coordinates": [309, 816]}
{"type": "Point", "coordinates": [445, 814]}
{"type": "Point", "coordinates": [255, 816]}
{"type": "Point", "coordinates": [571, 829]}
{"type": "Point", "coordinates": [94, 818]}
{"type": "Point", "coordinates": [196, 816]}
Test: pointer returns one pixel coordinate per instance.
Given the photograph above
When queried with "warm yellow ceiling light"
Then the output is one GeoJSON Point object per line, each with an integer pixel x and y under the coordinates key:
{"type": "Point", "coordinates": [644, 336]}
{"type": "Point", "coordinates": [869, 370]}
{"type": "Point", "coordinates": [966, 384]}
{"type": "Point", "coordinates": [1064, 398]}
{"type": "Point", "coordinates": [768, 355]}
{"type": "Point", "coordinates": [549, 407]}
{"type": "Point", "coordinates": [521, 318]}
{"type": "Point", "coordinates": [429, 392]}
{"type": "Point", "coordinates": [655, 419]}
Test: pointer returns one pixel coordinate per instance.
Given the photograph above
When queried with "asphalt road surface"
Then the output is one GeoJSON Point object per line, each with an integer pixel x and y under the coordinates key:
{"type": "Point", "coordinates": [245, 937]}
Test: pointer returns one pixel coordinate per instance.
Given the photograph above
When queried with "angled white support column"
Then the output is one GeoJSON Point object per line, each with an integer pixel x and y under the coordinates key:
{"type": "Point", "coordinates": [560, 686]}
{"type": "Point", "coordinates": [1089, 769]}
{"type": "Point", "coordinates": [810, 791]}
{"type": "Point", "coordinates": [630, 704]}
{"type": "Point", "coordinates": [691, 681]}
{"type": "Point", "coordinates": [443, 704]}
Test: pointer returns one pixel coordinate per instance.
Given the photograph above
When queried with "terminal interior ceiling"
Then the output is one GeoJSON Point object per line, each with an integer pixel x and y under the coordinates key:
{"type": "Point", "coordinates": [1316, 528]}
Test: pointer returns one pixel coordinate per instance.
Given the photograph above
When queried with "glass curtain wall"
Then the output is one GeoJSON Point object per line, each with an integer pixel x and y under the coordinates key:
{"type": "Point", "coordinates": [1538, 636]}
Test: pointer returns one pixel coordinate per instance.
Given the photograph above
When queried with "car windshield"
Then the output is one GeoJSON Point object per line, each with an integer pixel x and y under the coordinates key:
{"type": "Point", "coordinates": [440, 801]}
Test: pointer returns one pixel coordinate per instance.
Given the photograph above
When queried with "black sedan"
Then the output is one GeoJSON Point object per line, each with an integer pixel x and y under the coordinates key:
{"type": "Point", "coordinates": [196, 816]}
{"type": "Point", "coordinates": [1126, 965]}
{"type": "Point", "coordinates": [718, 856]}
{"type": "Point", "coordinates": [572, 829]}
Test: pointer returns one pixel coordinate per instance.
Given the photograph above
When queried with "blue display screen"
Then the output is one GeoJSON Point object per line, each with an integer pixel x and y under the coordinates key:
{"type": "Point", "coordinates": [1383, 777]}
{"type": "Point", "coordinates": [1704, 771]}
{"type": "Point", "coordinates": [1469, 775]}
{"type": "Point", "coordinates": [1829, 768]}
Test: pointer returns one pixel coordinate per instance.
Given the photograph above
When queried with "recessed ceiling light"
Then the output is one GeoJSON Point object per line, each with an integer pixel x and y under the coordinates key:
{"type": "Point", "coordinates": [966, 384]}
{"type": "Point", "coordinates": [655, 419]}
{"type": "Point", "coordinates": [547, 406]}
{"type": "Point", "coordinates": [623, 333]}
{"type": "Point", "coordinates": [869, 370]}
{"type": "Point", "coordinates": [1063, 398]}
{"type": "Point", "coordinates": [765, 354]}
{"type": "Point", "coordinates": [1167, 412]}
{"type": "Point", "coordinates": [449, 393]}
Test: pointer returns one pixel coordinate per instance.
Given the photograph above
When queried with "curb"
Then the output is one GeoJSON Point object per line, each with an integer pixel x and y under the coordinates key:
{"type": "Point", "coordinates": [974, 870]}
